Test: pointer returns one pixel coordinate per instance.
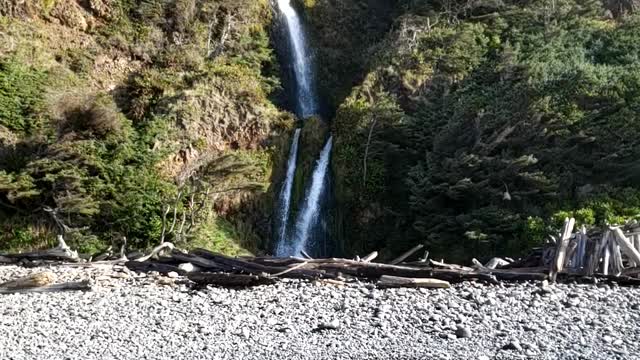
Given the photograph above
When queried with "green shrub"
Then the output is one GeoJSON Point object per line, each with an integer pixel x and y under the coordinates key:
{"type": "Point", "coordinates": [21, 97]}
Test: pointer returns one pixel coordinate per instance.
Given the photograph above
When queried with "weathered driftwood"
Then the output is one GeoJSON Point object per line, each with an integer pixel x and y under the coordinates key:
{"type": "Point", "coordinates": [208, 260]}
{"type": "Point", "coordinates": [55, 254]}
{"type": "Point", "coordinates": [626, 246]}
{"type": "Point", "coordinates": [606, 257]}
{"type": "Point", "coordinates": [198, 261]}
{"type": "Point", "coordinates": [374, 271]}
{"type": "Point", "coordinates": [69, 286]}
{"type": "Point", "coordinates": [62, 252]}
{"type": "Point", "coordinates": [290, 269]}
{"type": "Point", "coordinates": [387, 281]}
{"type": "Point", "coordinates": [578, 261]}
{"type": "Point", "coordinates": [335, 268]}
{"type": "Point", "coordinates": [443, 265]}
{"type": "Point", "coordinates": [533, 259]}
{"type": "Point", "coordinates": [156, 251]}
{"type": "Point", "coordinates": [616, 259]}
{"type": "Point", "coordinates": [511, 274]}
{"type": "Point", "coordinates": [558, 263]}
{"type": "Point", "coordinates": [425, 257]}
{"type": "Point", "coordinates": [634, 271]}
{"type": "Point", "coordinates": [592, 260]}
{"type": "Point", "coordinates": [153, 266]}
{"type": "Point", "coordinates": [496, 262]}
{"type": "Point", "coordinates": [632, 240]}
{"type": "Point", "coordinates": [229, 280]}
{"type": "Point", "coordinates": [404, 256]}
{"type": "Point", "coordinates": [370, 257]}
{"type": "Point", "coordinates": [30, 281]}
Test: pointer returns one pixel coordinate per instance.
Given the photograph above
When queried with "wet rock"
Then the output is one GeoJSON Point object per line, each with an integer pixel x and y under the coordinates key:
{"type": "Point", "coordinates": [463, 332]}
{"type": "Point", "coordinates": [513, 345]}
{"type": "Point", "coordinates": [331, 325]}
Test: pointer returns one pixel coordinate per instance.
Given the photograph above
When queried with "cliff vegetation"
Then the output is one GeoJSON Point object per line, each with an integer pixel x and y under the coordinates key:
{"type": "Point", "coordinates": [150, 120]}
{"type": "Point", "coordinates": [479, 125]}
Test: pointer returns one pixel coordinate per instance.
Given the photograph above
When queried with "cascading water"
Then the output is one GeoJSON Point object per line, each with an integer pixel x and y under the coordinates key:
{"type": "Point", "coordinates": [311, 209]}
{"type": "Point", "coordinates": [306, 99]}
{"type": "Point", "coordinates": [306, 104]}
{"type": "Point", "coordinates": [285, 193]}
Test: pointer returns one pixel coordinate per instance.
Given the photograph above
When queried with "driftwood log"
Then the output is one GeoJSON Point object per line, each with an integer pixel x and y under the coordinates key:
{"type": "Point", "coordinates": [562, 248]}
{"type": "Point", "coordinates": [333, 268]}
{"type": "Point", "coordinates": [153, 266]}
{"type": "Point", "coordinates": [30, 281]}
{"type": "Point", "coordinates": [404, 256]}
{"type": "Point", "coordinates": [229, 280]}
{"type": "Point", "coordinates": [55, 254]}
{"type": "Point", "coordinates": [69, 286]}
{"type": "Point", "coordinates": [387, 281]}
{"type": "Point", "coordinates": [62, 252]}
{"type": "Point", "coordinates": [42, 283]}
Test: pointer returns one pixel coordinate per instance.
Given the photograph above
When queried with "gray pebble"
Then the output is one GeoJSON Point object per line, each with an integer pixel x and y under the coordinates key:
{"type": "Point", "coordinates": [463, 332]}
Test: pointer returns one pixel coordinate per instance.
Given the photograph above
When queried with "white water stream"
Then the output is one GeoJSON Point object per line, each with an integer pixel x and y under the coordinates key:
{"type": "Point", "coordinates": [310, 212]}
{"type": "Point", "coordinates": [285, 194]}
{"type": "Point", "coordinates": [306, 105]}
{"type": "Point", "coordinates": [306, 99]}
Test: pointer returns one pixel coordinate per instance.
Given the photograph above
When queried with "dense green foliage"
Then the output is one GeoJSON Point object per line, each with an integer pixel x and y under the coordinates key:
{"type": "Point", "coordinates": [484, 124]}
{"type": "Point", "coordinates": [19, 82]}
{"type": "Point", "coordinates": [177, 149]}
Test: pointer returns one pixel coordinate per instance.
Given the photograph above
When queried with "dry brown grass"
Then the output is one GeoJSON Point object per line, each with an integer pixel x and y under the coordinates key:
{"type": "Point", "coordinates": [85, 115]}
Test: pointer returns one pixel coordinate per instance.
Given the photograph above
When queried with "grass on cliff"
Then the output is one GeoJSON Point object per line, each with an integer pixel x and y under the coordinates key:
{"type": "Point", "coordinates": [100, 158]}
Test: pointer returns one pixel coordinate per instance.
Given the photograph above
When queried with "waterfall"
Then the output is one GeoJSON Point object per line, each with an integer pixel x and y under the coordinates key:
{"type": "Point", "coordinates": [285, 194]}
{"type": "Point", "coordinates": [306, 99]}
{"type": "Point", "coordinates": [311, 209]}
{"type": "Point", "coordinates": [306, 104]}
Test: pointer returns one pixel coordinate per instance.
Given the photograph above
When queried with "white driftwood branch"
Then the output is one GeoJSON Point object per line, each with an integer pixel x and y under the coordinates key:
{"type": "Point", "coordinates": [561, 248]}
{"type": "Point", "coordinates": [156, 251]}
{"type": "Point", "coordinates": [387, 281]}
{"type": "Point", "coordinates": [370, 257]}
{"type": "Point", "coordinates": [305, 255]}
{"type": "Point", "coordinates": [625, 245]}
{"type": "Point", "coordinates": [495, 262]}
{"type": "Point", "coordinates": [295, 267]}
{"type": "Point", "coordinates": [402, 257]}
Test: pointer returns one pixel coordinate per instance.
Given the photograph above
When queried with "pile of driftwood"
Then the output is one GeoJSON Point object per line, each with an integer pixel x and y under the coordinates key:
{"type": "Point", "coordinates": [611, 255]}
{"type": "Point", "coordinates": [613, 251]}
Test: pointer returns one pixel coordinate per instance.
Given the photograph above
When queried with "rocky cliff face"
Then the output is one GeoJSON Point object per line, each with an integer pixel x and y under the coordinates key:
{"type": "Point", "coordinates": [161, 101]}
